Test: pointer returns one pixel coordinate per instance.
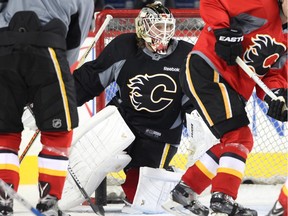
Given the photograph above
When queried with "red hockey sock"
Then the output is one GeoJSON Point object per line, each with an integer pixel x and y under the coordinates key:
{"type": "Point", "coordinates": [235, 147]}
{"type": "Point", "coordinates": [199, 176]}
{"type": "Point", "coordinates": [9, 166]}
{"type": "Point", "coordinates": [53, 160]}
{"type": "Point", "coordinates": [198, 185]}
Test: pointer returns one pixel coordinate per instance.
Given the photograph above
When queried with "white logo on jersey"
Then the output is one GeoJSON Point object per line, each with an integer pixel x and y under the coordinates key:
{"type": "Point", "coordinates": [56, 123]}
{"type": "Point", "coordinates": [231, 39]}
{"type": "Point", "coordinates": [152, 93]}
{"type": "Point", "coordinates": [171, 69]}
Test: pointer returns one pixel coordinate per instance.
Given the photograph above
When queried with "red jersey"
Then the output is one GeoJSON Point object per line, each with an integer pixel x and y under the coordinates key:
{"type": "Point", "coordinates": [263, 44]}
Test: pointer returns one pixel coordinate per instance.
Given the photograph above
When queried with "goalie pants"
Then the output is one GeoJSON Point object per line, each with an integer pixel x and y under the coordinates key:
{"type": "Point", "coordinates": [145, 152]}
{"type": "Point", "coordinates": [223, 110]}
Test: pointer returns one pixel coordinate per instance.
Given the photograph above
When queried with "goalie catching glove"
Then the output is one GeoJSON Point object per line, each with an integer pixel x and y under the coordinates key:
{"type": "Point", "coordinates": [228, 45]}
{"type": "Point", "coordinates": [278, 107]}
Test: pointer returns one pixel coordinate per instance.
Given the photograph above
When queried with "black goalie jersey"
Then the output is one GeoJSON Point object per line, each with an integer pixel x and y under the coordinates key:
{"type": "Point", "coordinates": [149, 95]}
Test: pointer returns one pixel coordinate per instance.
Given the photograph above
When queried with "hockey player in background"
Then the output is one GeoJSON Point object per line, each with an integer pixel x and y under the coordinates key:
{"type": "Point", "coordinates": [219, 90]}
{"type": "Point", "coordinates": [37, 38]}
{"type": "Point", "coordinates": [280, 207]}
{"type": "Point", "coordinates": [145, 66]}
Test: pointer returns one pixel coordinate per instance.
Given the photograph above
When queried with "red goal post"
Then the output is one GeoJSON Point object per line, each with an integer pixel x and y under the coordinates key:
{"type": "Point", "coordinates": [267, 163]}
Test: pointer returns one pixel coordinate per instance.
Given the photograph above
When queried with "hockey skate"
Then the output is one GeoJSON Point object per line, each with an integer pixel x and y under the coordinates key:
{"type": "Point", "coordinates": [222, 204]}
{"type": "Point", "coordinates": [183, 201]}
{"type": "Point", "coordinates": [277, 210]}
{"type": "Point", "coordinates": [6, 203]}
{"type": "Point", "coordinates": [48, 205]}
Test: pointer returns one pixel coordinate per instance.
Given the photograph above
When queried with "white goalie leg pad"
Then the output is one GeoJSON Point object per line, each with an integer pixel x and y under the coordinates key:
{"type": "Point", "coordinates": [153, 189]}
{"type": "Point", "coordinates": [199, 136]}
{"type": "Point", "coordinates": [90, 180]}
{"type": "Point", "coordinates": [96, 150]}
{"type": "Point", "coordinates": [116, 163]}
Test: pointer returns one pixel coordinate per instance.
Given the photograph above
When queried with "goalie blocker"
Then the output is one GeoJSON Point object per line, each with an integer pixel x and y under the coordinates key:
{"type": "Point", "coordinates": [95, 145]}
{"type": "Point", "coordinates": [200, 138]}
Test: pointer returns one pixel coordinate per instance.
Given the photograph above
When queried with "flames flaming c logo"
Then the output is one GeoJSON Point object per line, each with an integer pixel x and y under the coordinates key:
{"type": "Point", "coordinates": [264, 52]}
{"type": "Point", "coordinates": [152, 93]}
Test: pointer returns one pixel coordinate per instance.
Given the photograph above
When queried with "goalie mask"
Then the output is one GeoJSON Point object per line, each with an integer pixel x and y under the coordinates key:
{"type": "Point", "coordinates": [156, 25]}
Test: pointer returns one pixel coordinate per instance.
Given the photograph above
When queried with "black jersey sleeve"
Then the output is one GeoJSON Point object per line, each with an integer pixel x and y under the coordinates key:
{"type": "Point", "coordinates": [93, 77]}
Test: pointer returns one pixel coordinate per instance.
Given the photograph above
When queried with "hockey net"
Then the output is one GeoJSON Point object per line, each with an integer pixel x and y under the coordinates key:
{"type": "Point", "coordinates": [266, 164]}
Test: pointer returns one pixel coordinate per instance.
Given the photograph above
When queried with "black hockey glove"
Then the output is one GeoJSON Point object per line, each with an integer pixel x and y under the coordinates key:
{"type": "Point", "coordinates": [278, 108]}
{"type": "Point", "coordinates": [228, 45]}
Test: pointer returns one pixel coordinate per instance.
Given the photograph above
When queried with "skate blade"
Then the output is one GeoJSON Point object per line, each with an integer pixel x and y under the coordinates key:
{"type": "Point", "coordinates": [176, 209]}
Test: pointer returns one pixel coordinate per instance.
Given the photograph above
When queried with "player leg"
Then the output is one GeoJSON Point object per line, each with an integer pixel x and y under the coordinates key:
{"type": "Point", "coordinates": [9, 168]}
{"type": "Point", "coordinates": [224, 113]}
{"type": "Point", "coordinates": [235, 146]}
{"type": "Point", "coordinates": [12, 101]}
{"type": "Point", "coordinates": [200, 139]}
{"type": "Point", "coordinates": [200, 174]}
{"type": "Point", "coordinates": [52, 165]}
{"type": "Point", "coordinates": [56, 115]}
{"type": "Point", "coordinates": [197, 178]}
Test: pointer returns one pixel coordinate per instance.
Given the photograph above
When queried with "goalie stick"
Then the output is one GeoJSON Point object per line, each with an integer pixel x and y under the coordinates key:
{"type": "Point", "coordinates": [94, 207]}
{"type": "Point", "coordinates": [12, 193]}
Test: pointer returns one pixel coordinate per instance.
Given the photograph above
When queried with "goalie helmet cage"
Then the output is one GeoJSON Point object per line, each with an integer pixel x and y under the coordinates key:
{"type": "Point", "coordinates": [266, 164]}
